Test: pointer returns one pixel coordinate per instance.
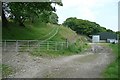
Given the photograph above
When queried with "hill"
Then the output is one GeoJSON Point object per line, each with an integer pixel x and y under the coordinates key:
{"type": "Point", "coordinates": [46, 32]}
{"type": "Point", "coordinates": [85, 27]}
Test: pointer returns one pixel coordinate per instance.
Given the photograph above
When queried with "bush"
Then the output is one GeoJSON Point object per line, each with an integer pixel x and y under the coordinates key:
{"type": "Point", "coordinates": [74, 48]}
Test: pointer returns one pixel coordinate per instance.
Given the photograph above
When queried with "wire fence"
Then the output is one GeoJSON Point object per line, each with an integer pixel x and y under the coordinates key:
{"type": "Point", "coordinates": [32, 45]}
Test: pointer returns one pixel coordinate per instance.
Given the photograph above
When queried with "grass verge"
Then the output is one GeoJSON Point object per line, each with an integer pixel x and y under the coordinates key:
{"type": "Point", "coordinates": [6, 70]}
{"type": "Point", "coordinates": [112, 70]}
{"type": "Point", "coordinates": [71, 50]}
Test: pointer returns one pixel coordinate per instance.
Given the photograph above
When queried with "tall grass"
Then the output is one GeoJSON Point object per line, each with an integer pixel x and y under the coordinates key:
{"type": "Point", "coordinates": [6, 70]}
{"type": "Point", "coordinates": [71, 50]}
{"type": "Point", "coordinates": [112, 70]}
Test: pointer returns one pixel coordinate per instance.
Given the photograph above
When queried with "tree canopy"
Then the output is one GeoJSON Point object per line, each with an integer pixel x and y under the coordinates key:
{"type": "Point", "coordinates": [84, 26]}
{"type": "Point", "coordinates": [53, 18]}
{"type": "Point", "coordinates": [118, 32]}
{"type": "Point", "coordinates": [21, 11]}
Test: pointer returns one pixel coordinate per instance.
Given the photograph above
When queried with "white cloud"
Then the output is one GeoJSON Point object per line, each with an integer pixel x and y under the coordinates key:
{"type": "Point", "coordinates": [81, 8]}
{"type": "Point", "coordinates": [84, 9]}
{"type": "Point", "coordinates": [88, 14]}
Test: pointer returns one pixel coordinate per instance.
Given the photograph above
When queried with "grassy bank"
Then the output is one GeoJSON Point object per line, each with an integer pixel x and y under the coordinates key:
{"type": "Point", "coordinates": [49, 32]}
{"type": "Point", "coordinates": [112, 70]}
{"type": "Point", "coordinates": [33, 31]}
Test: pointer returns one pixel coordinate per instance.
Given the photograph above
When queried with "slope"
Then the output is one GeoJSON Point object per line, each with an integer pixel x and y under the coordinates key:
{"type": "Point", "coordinates": [46, 32]}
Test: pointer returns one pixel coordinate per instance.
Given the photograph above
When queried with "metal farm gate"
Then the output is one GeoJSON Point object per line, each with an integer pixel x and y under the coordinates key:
{"type": "Point", "coordinates": [32, 45]}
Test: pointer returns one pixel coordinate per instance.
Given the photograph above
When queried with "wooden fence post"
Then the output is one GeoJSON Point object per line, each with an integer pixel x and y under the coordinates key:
{"type": "Point", "coordinates": [62, 44]}
{"type": "Point", "coordinates": [56, 46]}
{"type": "Point", "coordinates": [28, 46]}
{"type": "Point", "coordinates": [47, 45]}
{"type": "Point", "coordinates": [66, 43]}
{"type": "Point", "coordinates": [5, 45]}
{"type": "Point", "coordinates": [39, 45]}
{"type": "Point", "coordinates": [17, 46]}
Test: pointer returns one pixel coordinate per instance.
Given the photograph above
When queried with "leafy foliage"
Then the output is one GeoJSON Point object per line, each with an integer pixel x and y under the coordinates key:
{"type": "Point", "coordinates": [22, 11]}
{"type": "Point", "coordinates": [84, 26]}
{"type": "Point", "coordinates": [118, 32]}
{"type": "Point", "coordinates": [53, 18]}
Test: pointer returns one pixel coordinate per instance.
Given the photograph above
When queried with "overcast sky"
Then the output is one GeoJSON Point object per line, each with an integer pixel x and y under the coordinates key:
{"type": "Point", "coordinates": [103, 12]}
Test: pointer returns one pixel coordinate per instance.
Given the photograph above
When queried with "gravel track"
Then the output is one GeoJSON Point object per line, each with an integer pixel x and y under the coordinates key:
{"type": "Point", "coordinates": [90, 64]}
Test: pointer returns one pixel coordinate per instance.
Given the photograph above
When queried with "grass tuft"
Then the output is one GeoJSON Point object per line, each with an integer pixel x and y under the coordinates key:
{"type": "Point", "coordinates": [6, 70]}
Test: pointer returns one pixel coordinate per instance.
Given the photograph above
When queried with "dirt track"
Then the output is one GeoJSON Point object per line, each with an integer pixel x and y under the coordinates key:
{"type": "Point", "coordinates": [87, 65]}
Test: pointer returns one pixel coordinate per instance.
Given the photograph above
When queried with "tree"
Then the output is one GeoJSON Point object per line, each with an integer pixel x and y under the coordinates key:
{"type": "Point", "coordinates": [4, 10]}
{"type": "Point", "coordinates": [84, 27]}
{"type": "Point", "coordinates": [53, 18]}
{"type": "Point", "coordinates": [4, 20]}
{"type": "Point", "coordinates": [108, 30]}
{"type": "Point", "coordinates": [118, 32]}
{"type": "Point", "coordinates": [22, 11]}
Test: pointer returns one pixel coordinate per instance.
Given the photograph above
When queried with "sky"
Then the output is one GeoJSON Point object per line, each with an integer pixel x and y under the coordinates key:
{"type": "Point", "coordinates": [103, 12]}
